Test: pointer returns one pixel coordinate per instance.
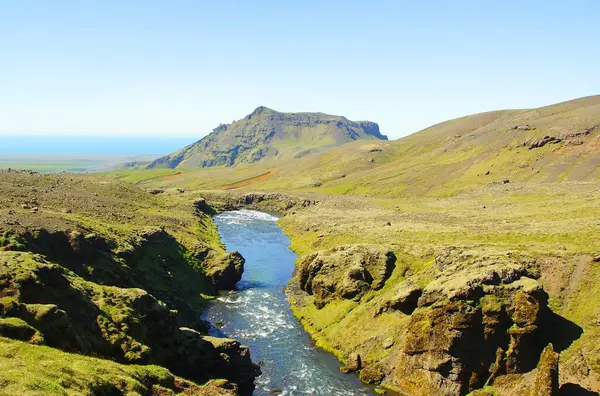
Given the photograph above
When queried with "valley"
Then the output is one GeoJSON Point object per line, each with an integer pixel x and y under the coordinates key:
{"type": "Point", "coordinates": [462, 259]}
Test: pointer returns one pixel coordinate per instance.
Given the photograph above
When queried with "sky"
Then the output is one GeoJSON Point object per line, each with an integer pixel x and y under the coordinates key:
{"type": "Point", "coordinates": [182, 67]}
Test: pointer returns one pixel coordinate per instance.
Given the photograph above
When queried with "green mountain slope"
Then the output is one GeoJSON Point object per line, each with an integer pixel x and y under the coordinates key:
{"type": "Point", "coordinates": [553, 144]}
{"type": "Point", "coordinates": [269, 134]}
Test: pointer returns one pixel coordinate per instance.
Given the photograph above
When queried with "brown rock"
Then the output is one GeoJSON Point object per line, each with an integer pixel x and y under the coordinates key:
{"type": "Point", "coordinates": [225, 271]}
{"type": "Point", "coordinates": [345, 272]}
{"type": "Point", "coordinates": [476, 320]}
{"type": "Point", "coordinates": [546, 377]}
{"type": "Point", "coordinates": [353, 363]}
{"type": "Point", "coordinates": [371, 375]}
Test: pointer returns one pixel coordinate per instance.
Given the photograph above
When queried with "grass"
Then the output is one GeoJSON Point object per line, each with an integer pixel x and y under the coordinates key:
{"type": "Point", "coordinates": [35, 370]}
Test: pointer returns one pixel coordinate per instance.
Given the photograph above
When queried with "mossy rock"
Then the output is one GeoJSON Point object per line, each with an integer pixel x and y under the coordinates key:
{"type": "Point", "coordinates": [19, 330]}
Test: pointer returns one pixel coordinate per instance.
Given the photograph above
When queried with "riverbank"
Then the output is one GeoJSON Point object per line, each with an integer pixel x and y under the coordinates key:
{"type": "Point", "coordinates": [257, 313]}
{"type": "Point", "coordinates": [447, 250]}
{"type": "Point", "coordinates": [94, 267]}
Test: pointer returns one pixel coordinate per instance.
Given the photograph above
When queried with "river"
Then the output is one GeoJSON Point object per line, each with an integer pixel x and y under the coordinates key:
{"type": "Point", "coordinates": [258, 314]}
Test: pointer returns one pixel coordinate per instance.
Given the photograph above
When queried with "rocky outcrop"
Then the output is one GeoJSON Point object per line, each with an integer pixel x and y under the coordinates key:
{"type": "Point", "coordinates": [265, 201]}
{"type": "Point", "coordinates": [345, 272]}
{"type": "Point", "coordinates": [537, 143]}
{"type": "Point", "coordinates": [546, 377]}
{"type": "Point", "coordinates": [404, 299]}
{"type": "Point", "coordinates": [225, 271]}
{"type": "Point", "coordinates": [43, 302]}
{"type": "Point", "coordinates": [478, 319]}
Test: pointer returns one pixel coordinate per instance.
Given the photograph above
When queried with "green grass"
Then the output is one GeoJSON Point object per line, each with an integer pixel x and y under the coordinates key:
{"type": "Point", "coordinates": [34, 370]}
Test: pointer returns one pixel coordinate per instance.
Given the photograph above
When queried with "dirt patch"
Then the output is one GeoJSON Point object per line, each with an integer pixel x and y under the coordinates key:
{"type": "Point", "coordinates": [246, 182]}
{"type": "Point", "coordinates": [173, 176]}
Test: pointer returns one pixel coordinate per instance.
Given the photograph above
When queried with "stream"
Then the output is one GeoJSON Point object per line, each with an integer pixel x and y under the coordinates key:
{"type": "Point", "coordinates": [258, 314]}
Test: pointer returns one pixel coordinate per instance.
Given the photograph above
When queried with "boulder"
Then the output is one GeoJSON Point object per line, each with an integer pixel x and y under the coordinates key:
{"type": "Point", "coordinates": [345, 272]}
{"type": "Point", "coordinates": [353, 363]}
{"type": "Point", "coordinates": [225, 271]}
{"type": "Point", "coordinates": [19, 329]}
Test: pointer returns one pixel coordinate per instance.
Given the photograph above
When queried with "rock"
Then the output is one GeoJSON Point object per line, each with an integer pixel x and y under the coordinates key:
{"type": "Point", "coordinates": [522, 128]}
{"type": "Point", "coordinates": [19, 329]}
{"type": "Point", "coordinates": [203, 206]}
{"type": "Point", "coordinates": [388, 224]}
{"type": "Point", "coordinates": [488, 172]}
{"type": "Point", "coordinates": [542, 142]}
{"type": "Point", "coordinates": [546, 377]}
{"type": "Point", "coordinates": [523, 165]}
{"type": "Point", "coordinates": [225, 271]}
{"type": "Point", "coordinates": [405, 299]}
{"type": "Point", "coordinates": [345, 272]}
{"type": "Point", "coordinates": [156, 191]}
{"type": "Point", "coordinates": [275, 390]}
{"type": "Point", "coordinates": [479, 318]}
{"type": "Point", "coordinates": [388, 343]}
{"type": "Point", "coordinates": [371, 375]}
{"type": "Point", "coordinates": [353, 362]}
{"type": "Point", "coordinates": [235, 361]}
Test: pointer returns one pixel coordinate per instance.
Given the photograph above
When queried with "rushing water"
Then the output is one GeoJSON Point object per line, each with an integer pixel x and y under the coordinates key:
{"type": "Point", "coordinates": [258, 314]}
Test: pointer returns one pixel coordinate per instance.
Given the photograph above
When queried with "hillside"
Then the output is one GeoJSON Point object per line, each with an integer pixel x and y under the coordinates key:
{"type": "Point", "coordinates": [553, 144]}
{"type": "Point", "coordinates": [102, 268]}
{"type": "Point", "coordinates": [269, 134]}
{"type": "Point", "coordinates": [493, 220]}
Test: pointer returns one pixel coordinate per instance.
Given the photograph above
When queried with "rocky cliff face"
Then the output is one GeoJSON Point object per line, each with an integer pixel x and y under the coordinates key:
{"type": "Point", "coordinates": [481, 322]}
{"type": "Point", "coordinates": [479, 319]}
{"type": "Point", "coordinates": [267, 133]}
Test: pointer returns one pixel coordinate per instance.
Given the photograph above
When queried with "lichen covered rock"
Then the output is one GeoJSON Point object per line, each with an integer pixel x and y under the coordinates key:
{"type": "Point", "coordinates": [345, 272]}
{"type": "Point", "coordinates": [477, 319]}
{"type": "Point", "coordinates": [546, 377]}
{"type": "Point", "coordinates": [225, 271]}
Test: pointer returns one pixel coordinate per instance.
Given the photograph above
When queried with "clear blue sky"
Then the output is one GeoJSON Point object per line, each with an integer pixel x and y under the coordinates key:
{"type": "Point", "coordinates": [183, 67]}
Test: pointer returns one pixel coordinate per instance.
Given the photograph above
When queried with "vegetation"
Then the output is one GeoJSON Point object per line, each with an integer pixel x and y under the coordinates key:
{"type": "Point", "coordinates": [102, 268]}
{"type": "Point", "coordinates": [32, 370]}
{"type": "Point", "coordinates": [516, 183]}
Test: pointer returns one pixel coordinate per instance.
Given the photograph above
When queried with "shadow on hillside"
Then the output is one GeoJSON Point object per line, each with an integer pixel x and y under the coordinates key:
{"type": "Point", "coordinates": [561, 332]}
{"type": "Point", "coordinates": [575, 390]}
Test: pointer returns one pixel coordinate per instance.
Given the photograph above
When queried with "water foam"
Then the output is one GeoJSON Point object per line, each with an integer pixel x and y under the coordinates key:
{"type": "Point", "coordinates": [245, 216]}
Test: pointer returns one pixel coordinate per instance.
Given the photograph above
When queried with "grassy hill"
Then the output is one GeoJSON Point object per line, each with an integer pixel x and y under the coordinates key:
{"type": "Point", "coordinates": [101, 268]}
{"type": "Point", "coordinates": [553, 144]}
{"type": "Point", "coordinates": [265, 134]}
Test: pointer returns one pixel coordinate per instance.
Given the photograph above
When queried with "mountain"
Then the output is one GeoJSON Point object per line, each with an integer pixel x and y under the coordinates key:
{"type": "Point", "coordinates": [265, 134]}
{"type": "Point", "coordinates": [558, 143]}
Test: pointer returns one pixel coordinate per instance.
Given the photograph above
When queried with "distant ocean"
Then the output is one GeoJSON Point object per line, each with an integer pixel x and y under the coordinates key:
{"type": "Point", "coordinates": [104, 145]}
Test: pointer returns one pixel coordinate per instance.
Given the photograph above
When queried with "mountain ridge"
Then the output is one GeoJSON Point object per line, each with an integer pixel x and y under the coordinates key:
{"type": "Point", "coordinates": [267, 133]}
